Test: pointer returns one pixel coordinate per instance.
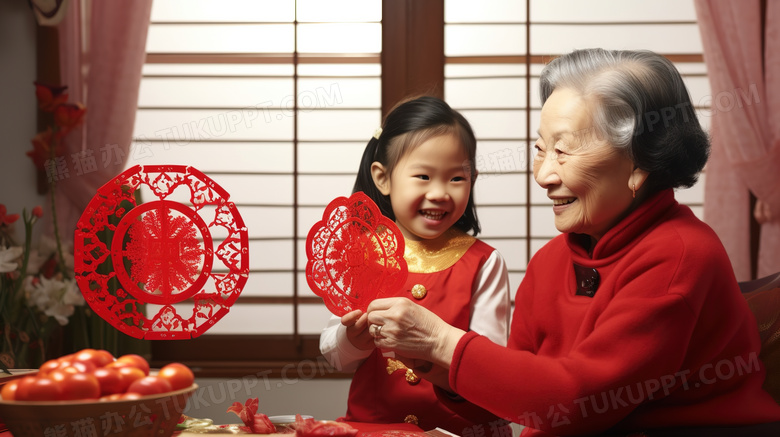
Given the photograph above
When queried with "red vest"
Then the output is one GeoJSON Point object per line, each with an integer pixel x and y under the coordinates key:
{"type": "Point", "coordinates": [378, 397]}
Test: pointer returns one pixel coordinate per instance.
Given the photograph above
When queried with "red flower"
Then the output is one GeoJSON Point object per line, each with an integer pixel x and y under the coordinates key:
{"type": "Point", "coordinates": [49, 96]}
{"type": "Point", "coordinates": [7, 219]}
{"type": "Point", "coordinates": [41, 151]}
{"type": "Point", "coordinates": [258, 423]}
{"type": "Point", "coordinates": [68, 116]}
{"type": "Point", "coordinates": [37, 211]}
{"type": "Point", "coordinates": [49, 268]}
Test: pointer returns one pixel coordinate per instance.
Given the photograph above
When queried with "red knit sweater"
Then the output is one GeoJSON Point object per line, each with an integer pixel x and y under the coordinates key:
{"type": "Point", "coordinates": [667, 340]}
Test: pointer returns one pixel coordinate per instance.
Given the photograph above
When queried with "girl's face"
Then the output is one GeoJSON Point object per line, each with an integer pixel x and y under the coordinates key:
{"type": "Point", "coordinates": [588, 180]}
{"type": "Point", "coordinates": [429, 188]}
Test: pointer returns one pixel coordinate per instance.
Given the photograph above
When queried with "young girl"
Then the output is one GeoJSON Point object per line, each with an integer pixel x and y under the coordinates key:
{"type": "Point", "coordinates": [419, 169]}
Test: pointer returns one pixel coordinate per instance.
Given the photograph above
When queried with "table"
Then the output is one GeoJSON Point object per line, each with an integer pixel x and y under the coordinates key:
{"type": "Point", "coordinates": [362, 428]}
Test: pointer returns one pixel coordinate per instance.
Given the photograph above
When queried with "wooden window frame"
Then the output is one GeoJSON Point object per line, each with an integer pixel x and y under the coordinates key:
{"type": "Point", "coordinates": [412, 62]}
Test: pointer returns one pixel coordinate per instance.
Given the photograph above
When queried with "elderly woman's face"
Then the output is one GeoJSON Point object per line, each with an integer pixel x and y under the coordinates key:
{"type": "Point", "coordinates": [586, 178]}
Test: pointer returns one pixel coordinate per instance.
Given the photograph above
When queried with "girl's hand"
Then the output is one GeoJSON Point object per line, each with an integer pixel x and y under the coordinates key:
{"type": "Point", "coordinates": [412, 331]}
{"type": "Point", "coordinates": [357, 329]}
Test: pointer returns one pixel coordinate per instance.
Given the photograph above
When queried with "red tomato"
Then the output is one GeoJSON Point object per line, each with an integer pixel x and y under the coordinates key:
{"type": "Point", "coordinates": [9, 390]}
{"type": "Point", "coordinates": [109, 379]}
{"type": "Point", "coordinates": [128, 375]}
{"type": "Point", "coordinates": [97, 357]}
{"type": "Point", "coordinates": [80, 386]}
{"type": "Point", "coordinates": [149, 385]}
{"type": "Point", "coordinates": [22, 385]}
{"type": "Point", "coordinates": [77, 366]}
{"type": "Point", "coordinates": [58, 375]}
{"type": "Point", "coordinates": [118, 364]}
{"type": "Point", "coordinates": [130, 396]}
{"type": "Point", "coordinates": [137, 361]}
{"type": "Point", "coordinates": [111, 397]}
{"type": "Point", "coordinates": [42, 389]}
{"type": "Point", "coordinates": [178, 375]}
{"type": "Point", "coordinates": [48, 367]}
{"type": "Point", "coordinates": [104, 356]}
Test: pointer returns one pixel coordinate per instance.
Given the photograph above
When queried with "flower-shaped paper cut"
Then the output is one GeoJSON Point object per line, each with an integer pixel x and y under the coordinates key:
{"type": "Point", "coordinates": [164, 253]}
{"type": "Point", "coordinates": [355, 254]}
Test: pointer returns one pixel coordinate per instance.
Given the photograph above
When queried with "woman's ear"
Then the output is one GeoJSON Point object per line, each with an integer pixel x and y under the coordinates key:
{"type": "Point", "coordinates": [637, 179]}
{"type": "Point", "coordinates": [381, 178]}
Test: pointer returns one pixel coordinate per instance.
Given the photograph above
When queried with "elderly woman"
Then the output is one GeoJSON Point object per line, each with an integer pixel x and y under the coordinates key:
{"type": "Point", "coordinates": [631, 319]}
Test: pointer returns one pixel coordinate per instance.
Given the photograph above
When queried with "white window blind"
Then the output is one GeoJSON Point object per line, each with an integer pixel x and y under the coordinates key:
{"type": "Point", "coordinates": [275, 101]}
{"type": "Point", "coordinates": [494, 55]}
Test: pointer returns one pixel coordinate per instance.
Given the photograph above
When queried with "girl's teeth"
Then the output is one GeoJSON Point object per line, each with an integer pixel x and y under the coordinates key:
{"type": "Point", "coordinates": [432, 215]}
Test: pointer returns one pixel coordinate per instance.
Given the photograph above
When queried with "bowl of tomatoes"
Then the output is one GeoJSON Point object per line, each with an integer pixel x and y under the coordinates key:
{"type": "Point", "coordinates": [93, 393]}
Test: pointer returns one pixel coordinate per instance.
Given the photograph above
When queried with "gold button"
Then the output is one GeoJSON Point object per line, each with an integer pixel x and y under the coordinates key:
{"type": "Point", "coordinates": [411, 419]}
{"type": "Point", "coordinates": [411, 378]}
{"type": "Point", "coordinates": [419, 291]}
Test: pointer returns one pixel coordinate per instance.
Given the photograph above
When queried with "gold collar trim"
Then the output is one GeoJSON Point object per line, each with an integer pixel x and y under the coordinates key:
{"type": "Point", "coordinates": [428, 256]}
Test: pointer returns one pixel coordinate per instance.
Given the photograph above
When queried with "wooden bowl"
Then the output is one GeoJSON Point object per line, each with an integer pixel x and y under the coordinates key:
{"type": "Point", "coordinates": [155, 415]}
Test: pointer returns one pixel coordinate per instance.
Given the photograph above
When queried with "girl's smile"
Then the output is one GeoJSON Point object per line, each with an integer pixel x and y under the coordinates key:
{"type": "Point", "coordinates": [429, 188]}
{"type": "Point", "coordinates": [434, 215]}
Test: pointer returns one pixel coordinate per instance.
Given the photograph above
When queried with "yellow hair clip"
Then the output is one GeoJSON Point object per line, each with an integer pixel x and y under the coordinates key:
{"type": "Point", "coordinates": [377, 132]}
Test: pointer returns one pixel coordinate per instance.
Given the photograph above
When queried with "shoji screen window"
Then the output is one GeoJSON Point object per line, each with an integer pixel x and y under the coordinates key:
{"type": "Point", "coordinates": [486, 80]}
{"type": "Point", "coordinates": [494, 55]}
{"type": "Point", "coordinates": [274, 100]}
{"type": "Point", "coordinates": [667, 27]}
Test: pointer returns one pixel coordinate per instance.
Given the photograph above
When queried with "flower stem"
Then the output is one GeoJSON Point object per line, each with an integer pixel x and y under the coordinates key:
{"type": "Point", "coordinates": [52, 186]}
{"type": "Point", "coordinates": [28, 221]}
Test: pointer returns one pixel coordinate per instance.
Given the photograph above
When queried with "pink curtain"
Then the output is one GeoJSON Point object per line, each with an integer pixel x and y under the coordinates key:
{"type": "Point", "coordinates": [102, 50]}
{"type": "Point", "coordinates": [744, 76]}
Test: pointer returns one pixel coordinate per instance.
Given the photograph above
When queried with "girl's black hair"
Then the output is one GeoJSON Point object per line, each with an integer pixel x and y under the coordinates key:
{"type": "Point", "coordinates": [409, 124]}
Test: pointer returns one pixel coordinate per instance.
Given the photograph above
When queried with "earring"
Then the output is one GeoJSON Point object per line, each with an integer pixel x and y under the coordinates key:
{"type": "Point", "coordinates": [633, 191]}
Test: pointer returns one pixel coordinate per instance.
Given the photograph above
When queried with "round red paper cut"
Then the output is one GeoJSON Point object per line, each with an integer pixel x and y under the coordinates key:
{"type": "Point", "coordinates": [355, 254]}
{"type": "Point", "coordinates": [161, 241]}
{"type": "Point", "coordinates": [162, 253]}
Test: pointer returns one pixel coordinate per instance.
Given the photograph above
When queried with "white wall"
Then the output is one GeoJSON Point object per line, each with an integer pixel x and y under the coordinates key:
{"type": "Point", "coordinates": [322, 398]}
{"type": "Point", "coordinates": [17, 107]}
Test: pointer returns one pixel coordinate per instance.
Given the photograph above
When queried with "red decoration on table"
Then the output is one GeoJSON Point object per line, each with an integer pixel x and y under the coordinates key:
{"type": "Point", "coordinates": [397, 433]}
{"type": "Point", "coordinates": [161, 253]}
{"type": "Point", "coordinates": [256, 423]}
{"type": "Point", "coordinates": [355, 254]}
{"type": "Point", "coordinates": [305, 427]}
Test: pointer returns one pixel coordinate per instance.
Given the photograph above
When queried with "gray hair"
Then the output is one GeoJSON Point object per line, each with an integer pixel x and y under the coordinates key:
{"type": "Point", "coordinates": [641, 106]}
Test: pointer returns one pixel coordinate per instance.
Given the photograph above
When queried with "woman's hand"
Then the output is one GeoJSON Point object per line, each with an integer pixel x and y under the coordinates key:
{"type": "Point", "coordinates": [412, 331]}
{"type": "Point", "coordinates": [357, 329]}
{"type": "Point", "coordinates": [436, 375]}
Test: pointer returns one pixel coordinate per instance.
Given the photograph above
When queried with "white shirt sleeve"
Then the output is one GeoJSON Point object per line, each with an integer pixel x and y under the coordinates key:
{"type": "Point", "coordinates": [338, 350]}
{"type": "Point", "coordinates": [490, 302]}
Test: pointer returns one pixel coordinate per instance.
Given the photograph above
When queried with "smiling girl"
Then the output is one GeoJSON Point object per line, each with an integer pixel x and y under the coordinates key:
{"type": "Point", "coordinates": [419, 169]}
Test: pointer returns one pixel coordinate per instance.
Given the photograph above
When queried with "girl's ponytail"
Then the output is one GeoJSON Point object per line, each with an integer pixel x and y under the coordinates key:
{"type": "Point", "coordinates": [365, 182]}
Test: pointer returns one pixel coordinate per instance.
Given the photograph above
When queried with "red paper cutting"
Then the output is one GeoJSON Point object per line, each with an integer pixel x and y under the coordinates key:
{"type": "Point", "coordinates": [355, 254]}
{"type": "Point", "coordinates": [162, 254]}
